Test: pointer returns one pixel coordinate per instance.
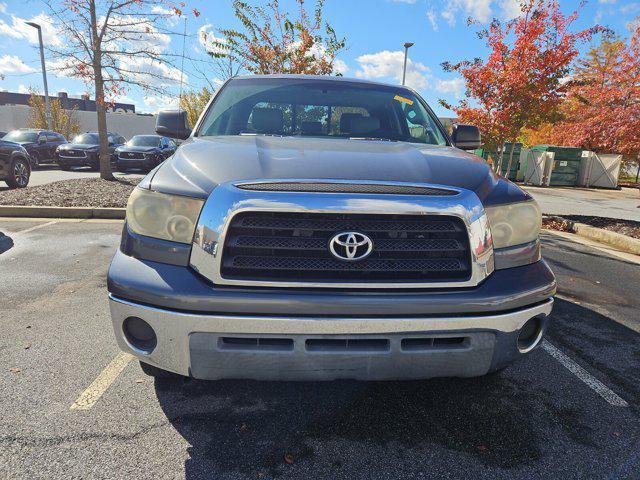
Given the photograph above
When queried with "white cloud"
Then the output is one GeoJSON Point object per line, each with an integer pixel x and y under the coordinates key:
{"type": "Point", "coordinates": [157, 9]}
{"type": "Point", "coordinates": [510, 9]}
{"type": "Point", "coordinates": [608, 2]}
{"type": "Point", "coordinates": [339, 66]}
{"type": "Point", "coordinates": [433, 19]}
{"type": "Point", "coordinates": [23, 89]}
{"type": "Point", "coordinates": [206, 37]}
{"type": "Point", "coordinates": [148, 72]}
{"type": "Point", "coordinates": [13, 64]}
{"type": "Point", "coordinates": [3, 7]}
{"type": "Point", "coordinates": [480, 10]}
{"type": "Point", "coordinates": [153, 104]}
{"type": "Point", "coordinates": [20, 30]}
{"type": "Point", "coordinates": [454, 86]}
{"type": "Point", "coordinates": [388, 64]}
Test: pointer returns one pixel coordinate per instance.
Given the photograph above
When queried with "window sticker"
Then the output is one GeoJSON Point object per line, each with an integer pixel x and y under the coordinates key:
{"type": "Point", "coordinates": [403, 100]}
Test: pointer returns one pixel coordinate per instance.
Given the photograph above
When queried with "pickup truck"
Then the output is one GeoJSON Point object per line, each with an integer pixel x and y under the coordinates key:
{"type": "Point", "coordinates": [318, 228]}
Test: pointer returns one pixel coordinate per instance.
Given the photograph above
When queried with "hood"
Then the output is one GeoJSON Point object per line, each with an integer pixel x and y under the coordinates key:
{"type": "Point", "coordinates": [125, 148]}
{"type": "Point", "coordinates": [201, 164]}
{"type": "Point", "coordinates": [77, 146]}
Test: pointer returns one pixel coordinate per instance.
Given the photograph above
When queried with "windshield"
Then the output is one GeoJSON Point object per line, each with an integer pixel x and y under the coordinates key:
{"type": "Point", "coordinates": [18, 136]}
{"type": "Point", "coordinates": [144, 141]}
{"type": "Point", "coordinates": [87, 139]}
{"type": "Point", "coordinates": [320, 108]}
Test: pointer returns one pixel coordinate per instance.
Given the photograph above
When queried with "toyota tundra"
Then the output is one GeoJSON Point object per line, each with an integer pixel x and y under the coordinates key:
{"type": "Point", "coordinates": [316, 228]}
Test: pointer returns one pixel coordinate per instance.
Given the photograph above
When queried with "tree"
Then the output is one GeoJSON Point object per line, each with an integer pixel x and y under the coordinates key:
{"type": "Point", "coordinates": [521, 83]}
{"type": "Point", "coordinates": [62, 121]}
{"type": "Point", "coordinates": [113, 45]}
{"type": "Point", "coordinates": [602, 109]}
{"type": "Point", "coordinates": [194, 103]}
{"type": "Point", "coordinates": [273, 42]}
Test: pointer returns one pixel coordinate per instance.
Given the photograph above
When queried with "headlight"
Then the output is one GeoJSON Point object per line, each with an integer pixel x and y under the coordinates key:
{"type": "Point", "coordinates": [515, 223]}
{"type": "Point", "coordinates": [160, 215]}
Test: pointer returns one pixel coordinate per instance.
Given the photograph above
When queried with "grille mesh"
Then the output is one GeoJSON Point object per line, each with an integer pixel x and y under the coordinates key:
{"type": "Point", "coordinates": [291, 246]}
{"type": "Point", "coordinates": [332, 187]}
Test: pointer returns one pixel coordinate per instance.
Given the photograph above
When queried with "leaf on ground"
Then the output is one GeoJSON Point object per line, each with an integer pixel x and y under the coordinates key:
{"type": "Point", "coordinates": [15, 370]}
{"type": "Point", "coordinates": [288, 458]}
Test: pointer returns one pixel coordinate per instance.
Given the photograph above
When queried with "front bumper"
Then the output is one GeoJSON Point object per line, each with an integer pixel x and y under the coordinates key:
{"type": "Point", "coordinates": [216, 346]}
{"type": "Point", "coordinates": [89, 161]}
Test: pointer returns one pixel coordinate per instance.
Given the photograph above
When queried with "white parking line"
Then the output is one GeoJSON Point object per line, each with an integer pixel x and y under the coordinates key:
{"type": "Point", "coordinates": [596, 385]}
{"type": "Point", "coordinates": [35, 227]}
{"type": "Point", "coordinates": [92, 394]}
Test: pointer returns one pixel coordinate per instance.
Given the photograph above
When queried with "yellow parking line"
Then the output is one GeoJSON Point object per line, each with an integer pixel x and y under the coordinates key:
{"type": "Point", "coordinates": [92, 394]}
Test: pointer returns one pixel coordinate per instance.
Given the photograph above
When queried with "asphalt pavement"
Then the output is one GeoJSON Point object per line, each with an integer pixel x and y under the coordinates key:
{"type": "Point", "coordinates": [569, 410]}
{"type": "Point", "coordinates": [51, 173]}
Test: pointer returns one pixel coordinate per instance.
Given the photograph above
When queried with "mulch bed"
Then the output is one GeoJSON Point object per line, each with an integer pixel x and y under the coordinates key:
{"type": "Point", "coordinates": [81, 192]}
{"type": "Point", "coordinates": [624, 227]}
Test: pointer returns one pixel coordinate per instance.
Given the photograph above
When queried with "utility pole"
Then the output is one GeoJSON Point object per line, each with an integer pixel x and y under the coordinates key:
{"type": "Point", "coordinates": [407, 45]}
{"type": "Point", "coordinates": [44, 74]}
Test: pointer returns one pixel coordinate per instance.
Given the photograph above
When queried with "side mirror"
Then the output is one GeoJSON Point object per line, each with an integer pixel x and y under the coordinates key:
{"type": "Point", "coordinates": [173, 123]}
{"type": "Point", "coordinates": [466, 137]}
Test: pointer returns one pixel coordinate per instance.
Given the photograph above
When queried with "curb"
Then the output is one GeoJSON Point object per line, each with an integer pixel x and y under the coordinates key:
{"type": "Point", "coordinates": [61, 212]}
{"type": "Point", "coordinates": [621, 242]}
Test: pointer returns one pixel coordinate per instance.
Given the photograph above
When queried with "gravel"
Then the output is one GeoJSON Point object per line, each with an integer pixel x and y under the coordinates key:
{"type": "Point", "coordinates": [82, 192]}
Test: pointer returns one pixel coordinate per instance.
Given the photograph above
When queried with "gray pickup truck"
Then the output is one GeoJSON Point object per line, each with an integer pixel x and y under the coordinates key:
{"type": "Point", "coordinates": [315, 228]}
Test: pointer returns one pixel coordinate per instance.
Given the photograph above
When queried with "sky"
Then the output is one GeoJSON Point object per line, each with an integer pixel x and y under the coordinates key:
{"type": "Point", "coordinates": [375, 31]}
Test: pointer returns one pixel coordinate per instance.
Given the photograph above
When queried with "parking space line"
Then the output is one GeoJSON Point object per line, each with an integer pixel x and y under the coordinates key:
{"type": "Point", "coordinates": [35, 227]}
{"type": "Point", "coordinates": [92, 394]}
{"type": "Point", "coordinates": [596, 385]}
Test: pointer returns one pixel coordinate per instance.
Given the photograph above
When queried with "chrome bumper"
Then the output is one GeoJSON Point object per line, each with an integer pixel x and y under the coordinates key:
{"type": "Point", "coordinates": [190, 344]}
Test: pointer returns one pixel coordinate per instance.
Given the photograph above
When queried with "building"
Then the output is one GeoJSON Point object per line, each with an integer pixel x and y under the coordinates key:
{"type": "Point", "coordinates": [121, 117]}
{"type": "Point", "coordinates": [82, 103]}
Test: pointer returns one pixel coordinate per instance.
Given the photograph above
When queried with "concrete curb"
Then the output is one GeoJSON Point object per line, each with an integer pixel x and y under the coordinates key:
{"type": "Point", "coordinates": [61, 212]}
{"type": "Point", "coordinates": [621, 242]}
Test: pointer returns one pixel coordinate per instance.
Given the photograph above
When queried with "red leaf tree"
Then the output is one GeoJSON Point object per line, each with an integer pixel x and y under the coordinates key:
{"type": "Point", "coordinates": [521, 83]}
{"type": "Point", "coordinates": [602, 109]}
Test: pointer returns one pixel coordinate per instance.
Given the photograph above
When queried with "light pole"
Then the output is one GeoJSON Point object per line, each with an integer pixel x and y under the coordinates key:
{"type": "Point", "coordinates": [44, 74]}
{"type": "Point", "coordinates": [406, 53]}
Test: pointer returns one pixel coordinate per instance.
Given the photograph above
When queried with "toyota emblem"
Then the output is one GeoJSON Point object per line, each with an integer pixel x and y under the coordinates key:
{"type": "Point", "coordinates": [351, 246]}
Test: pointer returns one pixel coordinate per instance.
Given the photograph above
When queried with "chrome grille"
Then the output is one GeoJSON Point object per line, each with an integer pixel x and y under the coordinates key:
{"type": "Point", "coordinates": [73, 153]}
{"type": "Point", "coordinates": [131, 156]}
{"type": "Point", "coordinates": [291, 246]}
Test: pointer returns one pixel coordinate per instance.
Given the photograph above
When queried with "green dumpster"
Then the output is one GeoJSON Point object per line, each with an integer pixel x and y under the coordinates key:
{"type": "Point", "coordinates": [566, 164]}
{"type": "Point", "coordinates": [513, 172]}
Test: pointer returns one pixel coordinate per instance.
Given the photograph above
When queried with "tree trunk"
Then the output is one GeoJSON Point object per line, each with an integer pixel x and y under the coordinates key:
{"type": "Point", "coordinates": [513, 146]}
{"type": "Point", "coordinates": [638, 171]}
{"type": "Point", "coordinates": [105, 156]}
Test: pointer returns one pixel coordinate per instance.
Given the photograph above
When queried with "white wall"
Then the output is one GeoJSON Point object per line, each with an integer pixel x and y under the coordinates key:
{"type": "Point", "coordinates": [126, 124]}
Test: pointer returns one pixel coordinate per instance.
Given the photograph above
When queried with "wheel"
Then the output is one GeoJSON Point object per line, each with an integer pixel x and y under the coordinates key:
{"type": "Point", "coordinates": [120, 168]}
{"type": "Point", "coordinates": [20, 173]}
{"type": "Point", "coordinates": [158, 372]}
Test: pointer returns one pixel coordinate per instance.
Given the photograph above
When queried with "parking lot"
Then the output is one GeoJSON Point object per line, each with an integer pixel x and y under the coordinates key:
{"type": "Point", "coordinates": [74, 407]}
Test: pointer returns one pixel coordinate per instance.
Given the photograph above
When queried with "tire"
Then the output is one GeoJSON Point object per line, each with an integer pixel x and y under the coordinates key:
{"type": "Point", "coordinates": [20, 174]}
{"type": "Point", "coordinates": [120, 168]}
{"type": "Point", "coordinates": [158, 372]}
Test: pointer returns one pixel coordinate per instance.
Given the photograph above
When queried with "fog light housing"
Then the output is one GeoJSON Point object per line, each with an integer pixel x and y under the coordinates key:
{"type": "Point", "coordinates": [139, 334]}
{"type": "Point", "coordinates": [530, 335]}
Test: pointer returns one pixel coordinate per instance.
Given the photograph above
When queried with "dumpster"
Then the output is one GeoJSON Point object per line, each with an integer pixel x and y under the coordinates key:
{"type": "Point", "coordinates": [513, 173]}
{"type": "Point", "coordinates": [535, 166]}
{"type": "Point", "coordinates": [566, 165]}
{"type": "Point", "coordinates": [599, 170]}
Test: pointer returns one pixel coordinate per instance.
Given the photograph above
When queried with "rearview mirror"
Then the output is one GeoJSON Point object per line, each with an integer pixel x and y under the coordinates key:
{"type": "Point", "coordinates": [466, 137]}
{"type": "Point", "coordinates": [173, 123]}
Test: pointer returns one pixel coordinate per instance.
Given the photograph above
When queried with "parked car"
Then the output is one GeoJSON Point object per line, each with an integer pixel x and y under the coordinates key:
{"type": "Point", "coordinates": [15, 168]}
{"type": "Point", "coordinates": [41, 145]}
{"type": "Point", "coordinates": [144, 152]}
{"type": "Point", "coordinates": [84, 150]}
{"type": "Point", "coordinates": [314, 228]}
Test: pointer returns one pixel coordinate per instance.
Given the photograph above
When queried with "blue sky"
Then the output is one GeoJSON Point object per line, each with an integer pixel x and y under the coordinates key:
{"type": "Point", "coordinates": [375, 31]}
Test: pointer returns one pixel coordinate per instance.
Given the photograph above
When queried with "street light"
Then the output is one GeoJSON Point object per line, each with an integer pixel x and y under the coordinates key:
{"type": "Point", "coordinates": [406, 53]}
{"type": "Point", "coordinates": [44, 74]}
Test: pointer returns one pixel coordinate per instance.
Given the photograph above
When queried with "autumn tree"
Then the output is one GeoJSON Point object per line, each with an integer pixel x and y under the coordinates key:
{"type": "Point", "coordinates": [521, 83]}
{"type": "Point", "coordinates": [602, 109]}
{"type": "Point", "coordinates": [113, 45]}
{"type": "Point", "coordinates": [274, 41]}
{"type": "Point", "coordinates": [62, 121]}
{"type": "Point", "coordinates": [193, 103]}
